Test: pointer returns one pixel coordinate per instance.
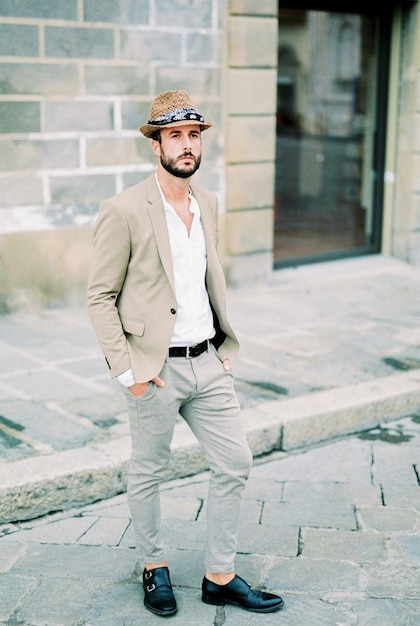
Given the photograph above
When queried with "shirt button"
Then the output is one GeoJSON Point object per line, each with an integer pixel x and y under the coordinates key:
{"type": "Point", "coordinates": [173, 311]}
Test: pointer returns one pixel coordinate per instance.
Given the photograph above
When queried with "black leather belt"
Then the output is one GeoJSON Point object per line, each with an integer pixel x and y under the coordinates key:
{"type": "Point", "coordinates": [190, 351]}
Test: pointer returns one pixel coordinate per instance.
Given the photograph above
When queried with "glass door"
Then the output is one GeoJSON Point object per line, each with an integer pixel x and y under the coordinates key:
{"type": "Point", "coordinates": [332, 76]}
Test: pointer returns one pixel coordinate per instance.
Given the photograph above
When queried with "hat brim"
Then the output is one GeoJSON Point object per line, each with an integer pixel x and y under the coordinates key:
{"type": "Point", "coordinates": [149, 129]}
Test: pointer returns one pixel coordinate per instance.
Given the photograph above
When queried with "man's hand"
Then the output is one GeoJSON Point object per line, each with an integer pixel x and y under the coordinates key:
{"type": "Point", "coordinates": [138, 389]}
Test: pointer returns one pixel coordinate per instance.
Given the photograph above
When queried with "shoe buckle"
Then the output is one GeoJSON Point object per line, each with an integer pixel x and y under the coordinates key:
{"type": "Point", "coordinates": [148, 574]}
{"type": "Point", "coordinates": [150, 588]}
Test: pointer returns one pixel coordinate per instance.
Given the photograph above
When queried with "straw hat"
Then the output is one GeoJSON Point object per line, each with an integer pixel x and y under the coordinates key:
{"type": "Point", "coordinates": [172, 108]}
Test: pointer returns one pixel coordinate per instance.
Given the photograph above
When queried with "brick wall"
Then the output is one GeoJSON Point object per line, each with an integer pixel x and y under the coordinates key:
{"type": "Point", "coordinates": [77, 77]}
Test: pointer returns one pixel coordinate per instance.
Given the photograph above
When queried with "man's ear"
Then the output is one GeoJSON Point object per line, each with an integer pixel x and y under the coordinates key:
{"type": "Point", "coordinates": [156, 147]}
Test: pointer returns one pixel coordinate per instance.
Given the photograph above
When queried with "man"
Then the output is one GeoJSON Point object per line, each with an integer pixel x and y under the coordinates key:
{"type": "Point", "coordinates": [157, 301]}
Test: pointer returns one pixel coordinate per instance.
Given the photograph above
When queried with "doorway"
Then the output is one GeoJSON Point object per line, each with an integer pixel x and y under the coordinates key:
{"type": "Point", "coordinates": [331, 115]}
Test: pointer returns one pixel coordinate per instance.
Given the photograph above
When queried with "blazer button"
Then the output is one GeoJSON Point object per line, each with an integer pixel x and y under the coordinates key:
{"type": "Point", "coordinates": [173, 311]}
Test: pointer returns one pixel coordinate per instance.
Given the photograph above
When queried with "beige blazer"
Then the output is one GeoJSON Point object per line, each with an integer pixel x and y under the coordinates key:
{"type": "Point", "coordinates": [131, 297]}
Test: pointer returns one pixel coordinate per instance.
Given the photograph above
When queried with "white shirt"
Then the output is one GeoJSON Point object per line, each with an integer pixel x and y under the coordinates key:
{"type": "Point", "coordinates": [194, 321]}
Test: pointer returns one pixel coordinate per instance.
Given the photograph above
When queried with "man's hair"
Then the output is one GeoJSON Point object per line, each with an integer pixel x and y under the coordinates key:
{"type": "Point", "coordinates": [157, 136]}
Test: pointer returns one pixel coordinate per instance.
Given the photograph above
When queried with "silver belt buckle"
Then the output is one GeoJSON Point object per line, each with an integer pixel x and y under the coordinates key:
{"type": "Point", "coordinates": [188, 356]}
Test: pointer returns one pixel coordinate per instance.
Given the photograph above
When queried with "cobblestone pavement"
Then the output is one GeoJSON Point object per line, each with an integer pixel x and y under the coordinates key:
{"type": "Point", "coordinates": [335, 529]}
{"type": "Point", "coordinates": [329, 380]}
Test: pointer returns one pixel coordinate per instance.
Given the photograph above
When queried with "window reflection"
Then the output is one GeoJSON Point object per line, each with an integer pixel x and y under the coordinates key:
{"type": "Point", "coordinates": [325, 127]}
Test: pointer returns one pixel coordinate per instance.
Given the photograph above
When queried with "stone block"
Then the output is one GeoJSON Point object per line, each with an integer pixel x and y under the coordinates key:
{"type": "Point", "coordinates": [252, 41]}
{"type": "Point", "coordinates": [34, 264]}
{"type": "Point", "coordinates": [20, 190]}
{"type": "Point", "coordinates": [249, 231]}
{"type": "Point", "coordinates": [252, 92]}
{"type": "Point", "coordinates": [130, 12]}
{"type": "Point", "coordinates": [78, 116]}
{"type": "Point", "coordinates": [387, 519]}
{"type": "Point", "coordinates": [133, 114]}
{"type": "Point", "coordinates": [39, 78]}
{"type": "Point", "coordinates": [343, 545]}
{"type": "Point", "coordinates": [13, 589]}
{"type": "Point", "coordinates": [250, 185]}
{"type": "Point", "coordinates": [132, 178]}
{"type": "Point", "coordinates": [392, 580]}
{"type": "Point", "coordinates": [70, 189]}
{"type": "Point", "coordinates": [314, 576]}
{"type": "Point", "coordinates": [250, 7]}
{"type": "Point", "coordinates": [117, 79]}
{"type": "Point", "coordinates": [42, 424]}
{"type": "Point", "coordinates": [151, 47]}
{"type": "Point", "coordinates": [118, 151]}
{"type": "Point", "coordinates": [271, 540]}
{"type": "Point", "coordinates": [356, 407]}
{"type": "Point", "coordinates": [38, 154]}
{"type": "Point", "coordinates": [61, 41]}
{"type": "Point", "coordinates": [203, 47]}
{"type": "Point", "coordinates": [18, 40]}
{"type": "Point", "coordinates": [20, 117]}
{"type": "Point", "coordinates": [247, 269]}
{"type": "Point", "coordinates": [197, 81]}
{"type": "Point", "coordinates": [194, 13]}
{"type": "Point", "coordinates": [50, 9]}
{"type": "Point", "coordinates": [251, 139]}
{"type": "Point", "coordinates": [323, 505]}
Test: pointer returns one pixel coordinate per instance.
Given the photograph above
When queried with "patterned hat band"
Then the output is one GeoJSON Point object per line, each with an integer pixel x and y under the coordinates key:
{"type": "Point", "coordinates": [172, 108]}
{"type": "Point", "coordinates": [178, 115]}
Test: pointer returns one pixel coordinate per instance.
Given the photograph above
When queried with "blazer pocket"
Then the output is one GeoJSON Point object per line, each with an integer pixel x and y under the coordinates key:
{"type": "Point", "coordinates": [131, 326]}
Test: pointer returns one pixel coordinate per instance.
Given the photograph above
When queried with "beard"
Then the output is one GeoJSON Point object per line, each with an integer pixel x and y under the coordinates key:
{"type": "Point", "coordinates": [183, 171]}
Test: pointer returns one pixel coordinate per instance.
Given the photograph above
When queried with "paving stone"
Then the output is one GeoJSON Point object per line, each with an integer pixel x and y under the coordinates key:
{"type": "Point", "coordinates": [183, 534]}
{"type": "Point", "coordinates": [128, 600]}
{"type": "Point", "coordinates": [393, 464]}
{"type": "Point", "coordinates": [343, 461]}
{"type": "Point", "coordinates": [311, 504]}
{"type": "Point", "coordinates": [391, 579]}
{"type": "Point", "coordinates": [404, 497]}
{"type": "Point", "coordinates": [9, 554]}
{"type": "Point", "coordinates": [12, 589]}
{"type": "Point", "coordinates": [265, 539]}
{"type": "Point", "coordinates": [388, 519]}
{"type": "Point", "coordinates": [60, 601]}
{"type": "Point", "coordinates": [410, 547]}
{"type": "Point", "coordinates": [387, 612]}
{"type": "Point", "coordinates": [180, 509]}
{"type": "Point", "coordinates": [314, 576]}
{"type": "Point", "coordinates": [113, 507]}
{"type": "Point", "coordinates": [298, 610]}
{"type": "Point", "coordinates": [263, 489]}
{"type": "Point", "coordinates": [59, 532]}
{"type": "Point", "coordinates": [105, 531]}
{"type": "Point", "coordinates": [80, 562]}
{"type": "Point", "coordinates": [45, 425]}
{"type": "Point", "coordinates": [344, 545]}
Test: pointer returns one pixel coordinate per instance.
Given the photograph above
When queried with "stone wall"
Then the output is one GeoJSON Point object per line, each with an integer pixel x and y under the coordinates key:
{"type": "Point", "coordinates": [406, 206]}
{"type": "Point", "coordinates": [77, 77]}
{"type": "Point", "coordinates": [251, 102]}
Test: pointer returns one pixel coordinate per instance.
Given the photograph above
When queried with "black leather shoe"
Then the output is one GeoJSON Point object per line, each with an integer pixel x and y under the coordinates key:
{"type": "Point", "coordinates": [239, 593]}
{"type": "Point", "coordinates": [158, 594]}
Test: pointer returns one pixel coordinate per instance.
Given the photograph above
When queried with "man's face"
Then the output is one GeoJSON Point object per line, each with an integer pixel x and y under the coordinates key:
{"type": "Point", "coordinates": [179, 150]}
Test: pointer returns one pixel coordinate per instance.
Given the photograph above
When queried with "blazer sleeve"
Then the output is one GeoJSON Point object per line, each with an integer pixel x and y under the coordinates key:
{"type": "Point", "coordinates": [111, 254]}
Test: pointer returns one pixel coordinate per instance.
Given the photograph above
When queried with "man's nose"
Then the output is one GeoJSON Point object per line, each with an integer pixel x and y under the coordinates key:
{"type": "Point", "coordinates": [187, 142]}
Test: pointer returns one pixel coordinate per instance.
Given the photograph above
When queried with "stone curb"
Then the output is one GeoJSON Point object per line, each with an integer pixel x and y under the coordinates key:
{"type": "Point", "coordinates": [33, 487]}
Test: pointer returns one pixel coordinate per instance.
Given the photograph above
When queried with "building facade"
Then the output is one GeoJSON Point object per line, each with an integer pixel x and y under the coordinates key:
{"type": "Point", "coordinates": [77, 78]}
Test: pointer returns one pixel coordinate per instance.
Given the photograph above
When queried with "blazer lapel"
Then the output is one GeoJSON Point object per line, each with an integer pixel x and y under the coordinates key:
{"type": "Point", "coordinates": [160, 229]}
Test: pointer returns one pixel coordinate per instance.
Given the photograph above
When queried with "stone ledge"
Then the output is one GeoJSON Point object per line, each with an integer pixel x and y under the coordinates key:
{"type": "Point", "coordinates": [34, 487]}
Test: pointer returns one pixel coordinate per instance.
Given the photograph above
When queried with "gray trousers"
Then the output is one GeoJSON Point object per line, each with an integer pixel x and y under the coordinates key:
{"type": "Point", "coordinates": [202, 392]}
